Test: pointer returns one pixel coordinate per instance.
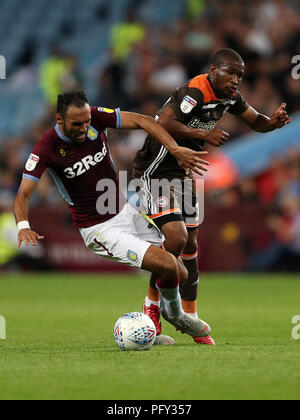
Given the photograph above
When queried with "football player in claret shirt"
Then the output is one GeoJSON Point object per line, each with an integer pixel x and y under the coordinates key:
{"type": "Point", "coordinates": [77, 155]}
{"type": "Point", "coordinates": [191, 116]}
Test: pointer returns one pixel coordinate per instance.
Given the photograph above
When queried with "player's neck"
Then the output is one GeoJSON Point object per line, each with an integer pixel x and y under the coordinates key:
{"type": "Point", "coordinates": [211, 82]}
{"type": "Point", "coordinates": [217, 92]}
{"type": "Point", "coordinates": [60, 132]}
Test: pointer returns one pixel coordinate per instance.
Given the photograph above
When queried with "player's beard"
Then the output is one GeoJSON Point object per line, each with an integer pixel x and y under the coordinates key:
{"type": "Point", "coordinates": [72, 136]}
{"type": "Point", "coordinates": [224, 93]}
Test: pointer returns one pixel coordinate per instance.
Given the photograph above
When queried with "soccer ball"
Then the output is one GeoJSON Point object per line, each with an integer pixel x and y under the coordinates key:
{"type": "Point", "coordinates": [134, 331]}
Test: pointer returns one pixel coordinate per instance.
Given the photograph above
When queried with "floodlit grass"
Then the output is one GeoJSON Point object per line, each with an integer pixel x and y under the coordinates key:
{"type": "Point", "coordinates": [59, 340]}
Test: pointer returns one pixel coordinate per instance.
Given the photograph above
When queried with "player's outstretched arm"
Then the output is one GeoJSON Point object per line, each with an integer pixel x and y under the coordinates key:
{"type": "Point", "coordinates": [188, 159]}
{"type": "Point", "coordinates": [263, 124]}
{"type": "Point", "coordinates": [21, 206]}
{"type": "Point", "coordinates": [176, 128]}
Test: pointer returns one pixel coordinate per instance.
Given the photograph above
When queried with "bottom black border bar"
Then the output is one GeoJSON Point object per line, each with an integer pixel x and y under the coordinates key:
{"type": "Point", "coordinates": [142, 409]}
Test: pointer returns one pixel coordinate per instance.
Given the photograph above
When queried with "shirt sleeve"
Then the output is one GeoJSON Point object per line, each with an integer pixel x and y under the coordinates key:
{"type": "Point", "coordinates": [37, 162]}
{"type": "Point", "coordinates": [107, 118]}
{"type": "Point", "coordinates": [186, 102]}
{"type": "Point", "coordinates": [240, 105]}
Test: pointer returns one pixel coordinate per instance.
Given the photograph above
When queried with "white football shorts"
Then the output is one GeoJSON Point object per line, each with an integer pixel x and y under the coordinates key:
{"type": "Point", "coordinates": [125, 238]}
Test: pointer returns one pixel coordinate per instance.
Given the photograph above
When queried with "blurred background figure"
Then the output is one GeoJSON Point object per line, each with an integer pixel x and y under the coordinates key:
{"type": "Point", "coordinates": [132, 54]}
{"type": "Point", "coordinates": [59, 73]}
{"type": "Point", "coordinates": [124, 35]}
{"type": "Point", "coordinates": [52, 71]}
{"type": "Point", "coordinates": [13, 258]}
{"type": "Point", "coordinates": [8, 231]}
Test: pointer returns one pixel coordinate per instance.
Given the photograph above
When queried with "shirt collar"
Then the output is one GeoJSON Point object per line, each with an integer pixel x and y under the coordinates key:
{"type": "Point", "coordinates": [60, 134]}
{"type": "Point", "coordinates": [209, 79]}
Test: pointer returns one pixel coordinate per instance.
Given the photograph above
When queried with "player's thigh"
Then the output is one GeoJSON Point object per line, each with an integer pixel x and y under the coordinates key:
{"type": "Point", "coordinates": [125, 238]}
{"type": "Point", "coordinates": [120, 246]}
{"type": "Point", "coordinates": [146, 230]}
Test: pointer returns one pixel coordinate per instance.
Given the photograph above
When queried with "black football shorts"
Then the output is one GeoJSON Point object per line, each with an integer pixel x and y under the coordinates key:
{"type": "Point", "coordinates": [173, 200]}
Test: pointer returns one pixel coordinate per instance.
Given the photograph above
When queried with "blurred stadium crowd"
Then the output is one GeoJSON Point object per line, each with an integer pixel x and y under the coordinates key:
{"type": "Point", "coordinates": [145, 63]}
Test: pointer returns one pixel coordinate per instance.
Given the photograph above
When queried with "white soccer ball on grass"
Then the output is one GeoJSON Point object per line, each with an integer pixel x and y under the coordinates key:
{"type": "Point", "coordinates": [134, 331]}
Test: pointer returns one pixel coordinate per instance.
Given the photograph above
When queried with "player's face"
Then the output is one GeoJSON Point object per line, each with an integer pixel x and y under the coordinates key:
{"type": "Point", "coordinates": [76, 122]}
{"type": "Point", "coordinates": [226, 78]}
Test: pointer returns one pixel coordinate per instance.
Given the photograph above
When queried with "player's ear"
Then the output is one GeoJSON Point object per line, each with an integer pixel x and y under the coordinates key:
{"type": "Point", "coordinates": [212, 70]}
{"type": "Point", "coordinates": [59, 119]}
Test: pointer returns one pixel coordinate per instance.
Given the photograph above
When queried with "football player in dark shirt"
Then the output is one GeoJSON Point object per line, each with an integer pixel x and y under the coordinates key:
{"type": "Point", "coordinates": [77, 155]}
{"type": "Point", "coordinates": [191, 116]}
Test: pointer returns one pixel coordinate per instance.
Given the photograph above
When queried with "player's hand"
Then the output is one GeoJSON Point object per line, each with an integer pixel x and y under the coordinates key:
{"type": "Point", "coordinates": [280, 117]}
{"type": "Point", "coordinates": [190, 160]}
{"type": "Point", "coordinates": [217, 137]}
{"type": "Point", "coordinates": [28, 237]}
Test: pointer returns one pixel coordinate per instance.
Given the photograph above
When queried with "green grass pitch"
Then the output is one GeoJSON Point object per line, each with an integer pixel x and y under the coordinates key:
{"type": "Point", "coordinates": [59, 340]}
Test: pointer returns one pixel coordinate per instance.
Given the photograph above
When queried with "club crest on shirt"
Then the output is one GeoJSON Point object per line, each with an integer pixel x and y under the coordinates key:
{"type": "Point", "coordinates": [162, 202]}
{"type": "Point", "coordinates": [32, 162]}
{"type": "Point", "coordinates": [63, 153]}
{"type": "Point", "coordinates": [92, 133]}
{"type": "Point", "coordinates": [188, 104]}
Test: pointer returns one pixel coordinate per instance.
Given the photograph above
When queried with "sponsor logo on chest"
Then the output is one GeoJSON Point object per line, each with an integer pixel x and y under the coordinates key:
{"type": "Point", "coordinates": [197, 122]}
{"type": "Point", "coordinates": [210, 114]}
{"type": "Point", "coordinates": [85, 164]}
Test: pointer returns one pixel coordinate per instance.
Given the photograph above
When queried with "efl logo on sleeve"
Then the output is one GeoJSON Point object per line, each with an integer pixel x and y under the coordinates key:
{"type": "Point", "coordinates": [188, 104]}
{"type": "Point", "coordinates": [32, 162]}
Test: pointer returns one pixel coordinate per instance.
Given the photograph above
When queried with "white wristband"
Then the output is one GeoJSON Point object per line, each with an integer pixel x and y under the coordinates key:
{"type": "Point", "coordinates": [23, 225]}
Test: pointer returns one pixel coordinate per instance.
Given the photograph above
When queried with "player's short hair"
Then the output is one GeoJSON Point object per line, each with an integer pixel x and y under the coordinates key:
{"type": "Point", "coordinates": [77, 98]}
{"type": "Point", "coordinates": [224, 56]}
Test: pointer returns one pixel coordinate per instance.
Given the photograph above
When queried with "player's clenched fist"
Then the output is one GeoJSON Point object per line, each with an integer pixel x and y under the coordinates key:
{"type": "Point", "coordinates": [217, 137]}
{"type": "Point", "coordinates": [28, 237]}
{"type": "Point", "coordinates": [280, 118]}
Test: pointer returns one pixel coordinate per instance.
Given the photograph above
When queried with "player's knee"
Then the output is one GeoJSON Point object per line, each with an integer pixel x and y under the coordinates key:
{"type": "Point", "coordinates": [191, 246]}
{"type": "Point", "coordinates": [176, 237]}
{"type": "Point", "coordinates": [177, 243]}
{"type": "Point", "coordinates": [169, 267]}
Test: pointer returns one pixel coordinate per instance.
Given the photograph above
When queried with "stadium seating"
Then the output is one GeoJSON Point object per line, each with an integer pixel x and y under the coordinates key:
{"type": "Point", "coordinates": [81, 28]}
